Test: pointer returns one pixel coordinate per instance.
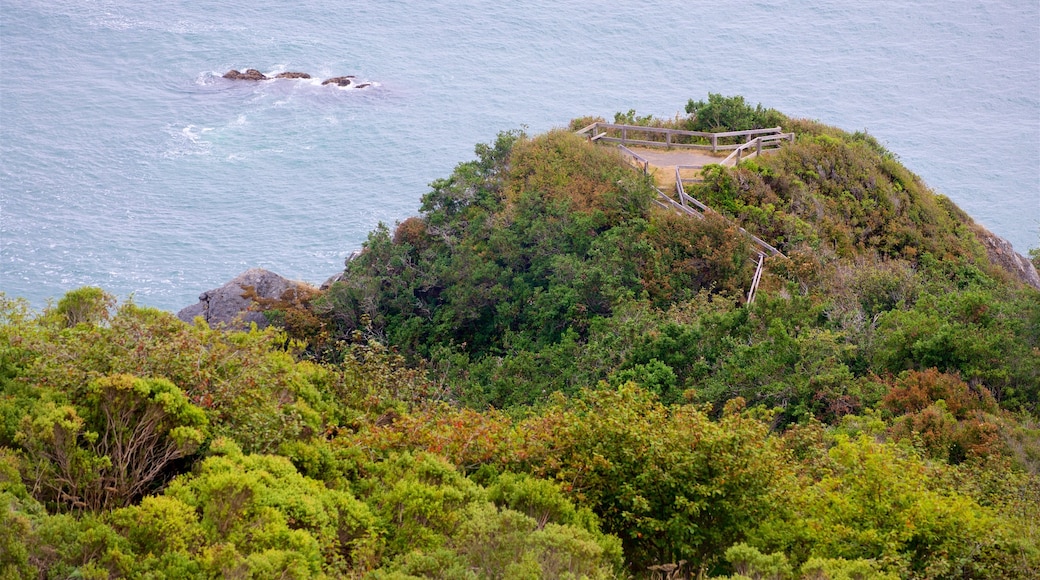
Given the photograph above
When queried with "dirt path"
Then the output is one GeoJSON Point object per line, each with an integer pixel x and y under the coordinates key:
{"type": "Point", "coordinates": [663, 162]}
{"type": "Point", "coordinates": [669, 158]}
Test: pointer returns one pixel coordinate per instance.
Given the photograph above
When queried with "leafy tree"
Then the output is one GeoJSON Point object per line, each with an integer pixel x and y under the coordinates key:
{"type": "Point", "coordinates": [247, 384]}
{"type": "Point", "coordinates": [749, 562]}
{"type": "Point", "coordinates": [972, 333]}
{"type": "Point", "coordinates": [950, 420]}
{"type": "Point", "coordinates": [113, 448]}
{"type": "Point", "coordinates": [89, 305]}
{"type": "Point", "coordinates": [15, 520]}
{"type": "Point", "coordinates": [630, 118]}
{"type": "Point", "coordinates": [464, 404]}
{"type": "Point", "coordinates": [721, 113]}
{"type": "Point", "coordinates": [671, 483]}
{"type": "Point", "coordinates": [439, 523]}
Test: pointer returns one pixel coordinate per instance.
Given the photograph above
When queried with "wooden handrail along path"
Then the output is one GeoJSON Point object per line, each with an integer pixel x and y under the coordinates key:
{"type": "Point", "coordinates": [757, 142]}
{"type": "Point", "coordinates": [762, 143]}
{"type": "Point", "coordinates": [674, 138]}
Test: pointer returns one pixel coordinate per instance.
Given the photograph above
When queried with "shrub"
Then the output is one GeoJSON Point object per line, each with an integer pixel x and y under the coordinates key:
{"type": "Point", "coordinates": [258, 512]}
{"type": "Point", "coordinates": [672, 484]}
{"type": "Point", "coordinates": [117, 445]}
{"type": "Point", "coordinates": [721, 113]}
{"type": "Point", "coordinates": [89, 305]}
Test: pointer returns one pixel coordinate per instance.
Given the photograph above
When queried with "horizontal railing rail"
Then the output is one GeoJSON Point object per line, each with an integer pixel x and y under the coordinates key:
{"type": "Point", "coordinates": [760, 145]}
{"type": "Point", "coordinates": [629, 135]}
{"type": "Point", "coordinates": [641, 163]}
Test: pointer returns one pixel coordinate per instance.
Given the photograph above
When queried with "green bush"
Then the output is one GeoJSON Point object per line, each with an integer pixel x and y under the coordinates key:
{"type": "Point", "coordinates": [118, 444]}
{"type": "Point", "coordinates": [260, 513]}
{"type": "Point", "coordinates": [87, 305]}
{"type": "Point", "coordinates": [721, 113]}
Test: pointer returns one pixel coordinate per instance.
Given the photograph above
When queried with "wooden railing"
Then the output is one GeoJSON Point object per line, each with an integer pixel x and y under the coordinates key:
{"type": "Point", "coordinates": [661, 137]}
{"type": "Point", "coordinates": [685, 198]}
{"type": "Point", "coordinates": [666, 201]}
{"type": "Point", "coordinates": [760, 144]}
{"type": "Point", "coordinates": [680, 188]}
{"type": "Point", "coordinates": [635, 159]}
{"type": "Point", "coordinates": [756, 279]}
{"type": "Point", "coordinates": [764, 143]}
{"type": "Point", "coordinates": [663, 200]}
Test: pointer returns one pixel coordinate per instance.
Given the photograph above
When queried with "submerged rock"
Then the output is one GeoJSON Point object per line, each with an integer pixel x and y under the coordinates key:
{"type": "Point", "coordinates": [250, 75]}
{"type": "Point", "coordinates": [292, 75]}
{"type": "Point", "coordinates": [231, 303]}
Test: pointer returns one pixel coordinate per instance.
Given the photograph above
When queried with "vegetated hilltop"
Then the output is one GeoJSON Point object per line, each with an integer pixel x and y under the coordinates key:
{"type": "Point", "coordinates": [544, 266]}
{"type": "Point", "coordinates": [545, 374]}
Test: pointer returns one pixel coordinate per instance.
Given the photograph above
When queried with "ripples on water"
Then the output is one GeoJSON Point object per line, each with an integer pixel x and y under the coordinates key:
{"type": "Point", "coordinates": [127, 162]}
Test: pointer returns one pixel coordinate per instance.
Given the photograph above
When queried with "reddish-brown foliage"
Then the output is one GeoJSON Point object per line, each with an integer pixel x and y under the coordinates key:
{"type": "Point", "coordinates": [915, 391]}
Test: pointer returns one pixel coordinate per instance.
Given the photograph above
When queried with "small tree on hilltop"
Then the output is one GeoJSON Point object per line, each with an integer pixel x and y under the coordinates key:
{"type": "Point", "coordinates": [721, 113]}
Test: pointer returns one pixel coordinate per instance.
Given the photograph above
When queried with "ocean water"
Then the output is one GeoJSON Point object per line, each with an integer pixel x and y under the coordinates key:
{"type": "Point", "coordinates": [127, 162]}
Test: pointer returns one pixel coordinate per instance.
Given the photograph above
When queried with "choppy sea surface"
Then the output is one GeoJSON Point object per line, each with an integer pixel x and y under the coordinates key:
{"type": "Point", "coordinates": [127, 162]}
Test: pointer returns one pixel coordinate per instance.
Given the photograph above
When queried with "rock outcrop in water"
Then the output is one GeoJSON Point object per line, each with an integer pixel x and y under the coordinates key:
{"type": "Point", "coordinates": [231, 303]}
{"type": "Point", "coordinates": [340, 81]}
{"type": "Point", "coordinates": [251, 74]}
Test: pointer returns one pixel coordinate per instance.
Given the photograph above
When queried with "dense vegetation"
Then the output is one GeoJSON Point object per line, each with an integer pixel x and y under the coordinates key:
{"type": "Point", "coordinates": [545, 375]}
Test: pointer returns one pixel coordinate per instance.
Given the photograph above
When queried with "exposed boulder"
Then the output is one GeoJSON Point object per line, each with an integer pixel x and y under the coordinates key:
{"type": "Point", "coordinates": [1001, 253]}
{"type": "Point", "coordinates": [341, 81]}
{"type": "Point", "coordinates": [231, 303]}
{"type": "Point", "coordinates": [250, 75]}
{"type": "Point", "coordinates": [292, 75]}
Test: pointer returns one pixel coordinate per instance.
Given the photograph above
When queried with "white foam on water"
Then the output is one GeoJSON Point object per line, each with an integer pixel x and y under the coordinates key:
{"type": "Point", "coordinates": [186, 141]}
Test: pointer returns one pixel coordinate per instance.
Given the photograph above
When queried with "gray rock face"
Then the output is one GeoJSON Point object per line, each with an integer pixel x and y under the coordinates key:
{"type": "Point", "coordinates": [228, 304]}
{"type": "Point", "coordinates": [1001, 253]}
